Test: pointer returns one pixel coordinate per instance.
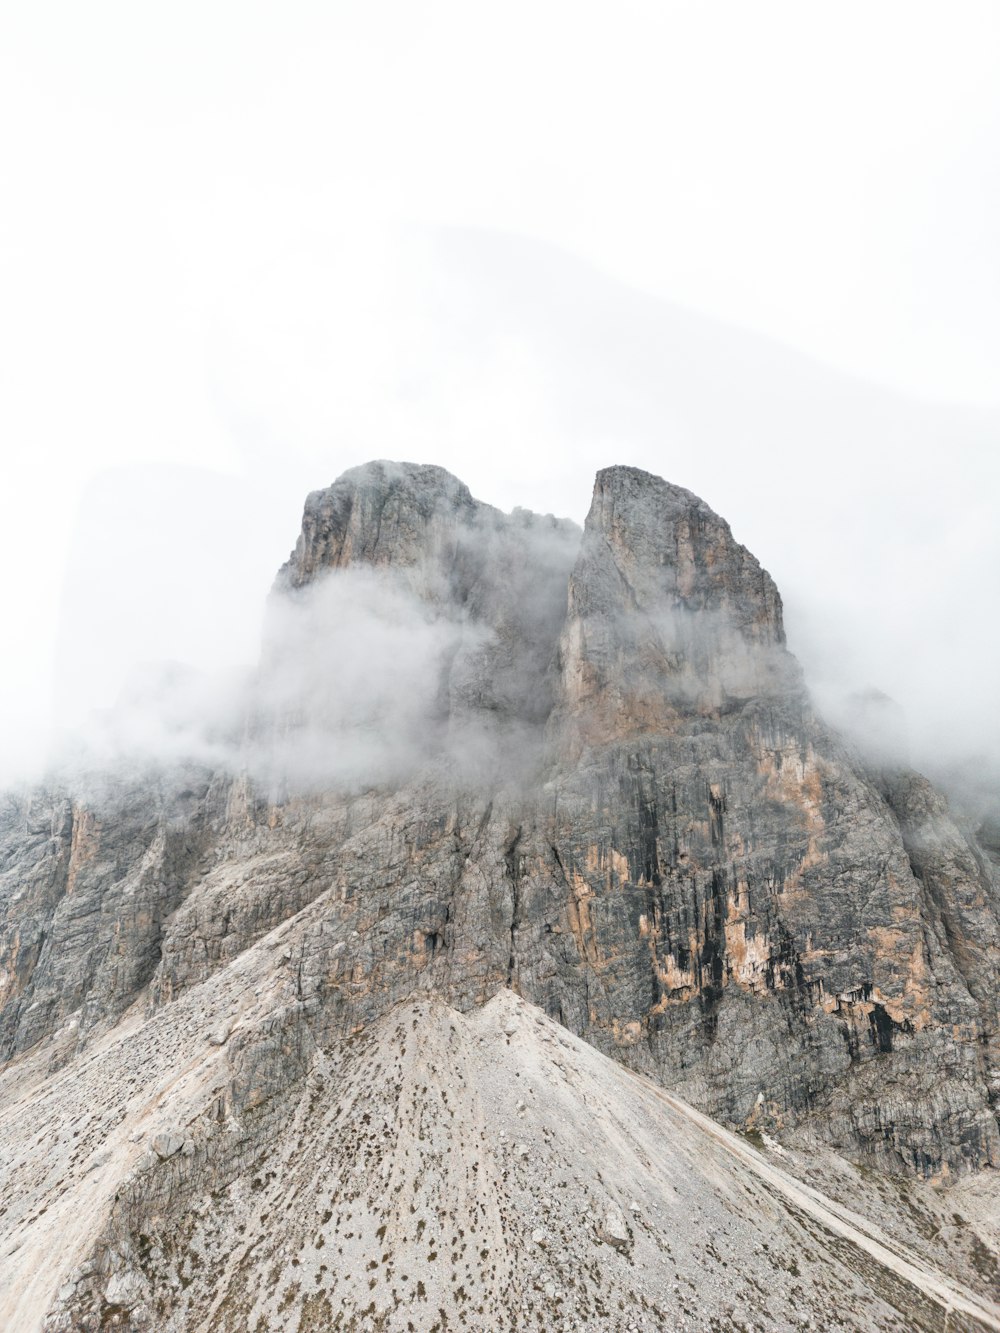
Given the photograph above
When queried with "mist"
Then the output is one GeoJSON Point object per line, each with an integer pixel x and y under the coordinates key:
{"type": "Point", "coordinates": [523, 370]}
{"type": "Point", "coordinates": [441, 661]}
{"type": "Point", "coordinates": [342, 235]}
{"type": "Point", "coordinates": [248, 248]}
{"type": "Point", "coordinates": [352, 690]}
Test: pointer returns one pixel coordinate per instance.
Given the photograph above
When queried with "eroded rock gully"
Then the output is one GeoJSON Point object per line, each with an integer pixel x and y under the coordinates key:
{"type": "Point", "coordinates": [612, 796]}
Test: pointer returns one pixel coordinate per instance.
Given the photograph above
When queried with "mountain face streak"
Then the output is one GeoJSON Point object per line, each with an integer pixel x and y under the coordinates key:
{"type": "Point", "coordinates": [596, 779]}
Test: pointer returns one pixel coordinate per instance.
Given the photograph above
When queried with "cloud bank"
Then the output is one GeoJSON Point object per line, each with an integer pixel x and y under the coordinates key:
{"type": "Point", "coordinates": [523, 371]}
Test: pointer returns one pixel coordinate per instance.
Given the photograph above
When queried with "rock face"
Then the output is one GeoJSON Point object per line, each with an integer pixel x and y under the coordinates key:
{"type": "Point", "coordinates": [490, 751]}
{"type": "Point", "coordinates": [86, 889]}
{"type": "Point", "coordinates": [740, 886]}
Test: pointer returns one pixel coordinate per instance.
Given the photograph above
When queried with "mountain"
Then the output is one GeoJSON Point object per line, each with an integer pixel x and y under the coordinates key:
{"type": "Point", "coordinates": [488, 756]}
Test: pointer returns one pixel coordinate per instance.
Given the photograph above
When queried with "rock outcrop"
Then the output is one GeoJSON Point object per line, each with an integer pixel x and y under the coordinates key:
{"type": "Point", "coordinates": [745, 889]}
{"type": "Point", "coordinates": [488, 751]}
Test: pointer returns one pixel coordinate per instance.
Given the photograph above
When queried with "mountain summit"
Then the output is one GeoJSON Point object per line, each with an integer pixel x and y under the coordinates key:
{"type": "Point", "coordinates": [485, 753]}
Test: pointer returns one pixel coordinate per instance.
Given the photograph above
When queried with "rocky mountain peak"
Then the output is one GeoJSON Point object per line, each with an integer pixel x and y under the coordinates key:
{"type": "Point", "coordinates": [668, 615]}
{"type": "Point", "coordinates": [672, 552]}
{"type": "Point", "coordinates": [579, 767]}
{"type": "Point", "coordinates": [381, 513]}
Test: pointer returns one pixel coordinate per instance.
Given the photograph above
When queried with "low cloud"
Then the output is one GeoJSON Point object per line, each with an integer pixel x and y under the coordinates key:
{"type": "Point", "coordinates": [368, 675]}
{"type": "Point", "coordinates": [523, 371]}
{"type": "Point", "coordinates": [353, 688]}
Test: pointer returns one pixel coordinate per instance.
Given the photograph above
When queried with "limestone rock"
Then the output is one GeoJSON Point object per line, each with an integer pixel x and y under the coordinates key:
{"type": "Point", "coordinates": [610, 794]}
{"type": "Point", "coordinates": [167, 1143]}
{"type": "Point", "coordinates": [613, 1230]}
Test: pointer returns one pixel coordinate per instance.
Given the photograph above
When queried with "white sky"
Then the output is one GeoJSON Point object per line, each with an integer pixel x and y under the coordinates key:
{"type": "Point", "coordinates": [206, 309]}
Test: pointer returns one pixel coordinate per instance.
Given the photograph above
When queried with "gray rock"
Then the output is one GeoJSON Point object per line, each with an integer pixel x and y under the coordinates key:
{"type": "Point", "coordinates": [618, 802]}
{"type": "Point", "coordinates": [167, 1144]}
{"type": "Point", "coordinates": [693, 872]}
{"type": "Point", "coordinates": [125, 1288]}
{"type": "Point", "coordinates": [613, 1230]}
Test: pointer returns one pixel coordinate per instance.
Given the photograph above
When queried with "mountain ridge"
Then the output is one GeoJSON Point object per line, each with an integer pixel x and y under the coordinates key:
{"type": "Point", "coordinates": [492, 751]}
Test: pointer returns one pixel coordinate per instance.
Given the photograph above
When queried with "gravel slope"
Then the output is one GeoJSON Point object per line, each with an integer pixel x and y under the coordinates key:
{"type": "Point", "coordinates": [437, 1171]}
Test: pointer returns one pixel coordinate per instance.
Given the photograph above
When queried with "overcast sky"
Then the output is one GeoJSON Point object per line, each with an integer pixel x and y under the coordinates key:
{"type": "Point", "coordinates": [750, 247]}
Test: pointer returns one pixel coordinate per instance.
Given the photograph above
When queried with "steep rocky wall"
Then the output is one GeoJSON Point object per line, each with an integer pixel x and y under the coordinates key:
{"type": "Point", "coordinates": [745, 894]}
{"type": "Point", "coordinates": [658, 842]}
{"type": "Point", "coordinates": [88, 882]}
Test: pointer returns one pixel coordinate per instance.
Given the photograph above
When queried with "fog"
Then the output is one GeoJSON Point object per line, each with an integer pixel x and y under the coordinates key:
{"type": "Point", "coordinates": [523, 370]}
{"type": "Point", "coordinates": [442, 660]}
{"type": "Point", "coordinates": [217, 299]}
{"type": "Point", "coordinates": [351, 691]}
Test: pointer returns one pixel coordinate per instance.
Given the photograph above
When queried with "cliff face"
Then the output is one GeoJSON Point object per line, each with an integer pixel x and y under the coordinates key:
{"type": "Point", "coordinates": [772, 929]}
{"type": "Point", "coordinates": [668, 617]}
{"type": "Point", "coordinates": [599, 782]}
